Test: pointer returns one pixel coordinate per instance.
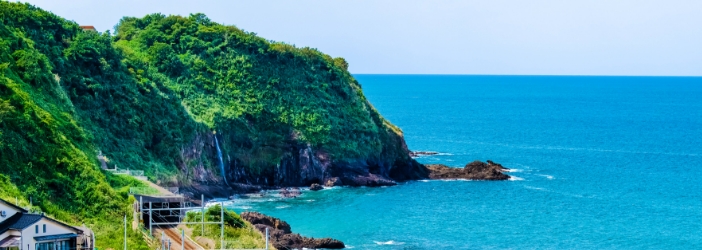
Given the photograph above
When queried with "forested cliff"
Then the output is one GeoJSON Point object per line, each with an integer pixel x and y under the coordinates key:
{"type": "Point", "coordinates": [185, 99]}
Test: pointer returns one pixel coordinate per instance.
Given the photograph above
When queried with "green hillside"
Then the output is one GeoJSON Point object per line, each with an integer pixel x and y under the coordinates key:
{"type": "Point", "coordinates": [150, 97]}
{"type": "Point", "coordinates": [260, 96]}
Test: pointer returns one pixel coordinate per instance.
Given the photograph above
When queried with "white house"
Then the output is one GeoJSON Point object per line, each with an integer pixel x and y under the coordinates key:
{"type": "Point", "coordinates": [21, 230]}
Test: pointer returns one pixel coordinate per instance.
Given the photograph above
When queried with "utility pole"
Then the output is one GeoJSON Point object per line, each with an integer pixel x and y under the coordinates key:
{"type": "Point", "coordinates": [222, 217]}
{"type": "Point", "coordinates": [125, 232]}
{"type": "Point", "coordinates": [141, 207]}
{"type": "Point", "coordinates": [150, 220]}
{"type": "Point", "coordinates": [266, 238]}
{"type": "Point", "coordinates": [202, 203]}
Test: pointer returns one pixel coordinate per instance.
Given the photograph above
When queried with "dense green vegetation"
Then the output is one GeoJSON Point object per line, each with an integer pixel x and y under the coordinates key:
{"type": "Point", "coordinates": [149, 96]}
{"type": "Point", "coordinates": [259, 96]}
{"type": "Point", "coordinates": [238, 234]}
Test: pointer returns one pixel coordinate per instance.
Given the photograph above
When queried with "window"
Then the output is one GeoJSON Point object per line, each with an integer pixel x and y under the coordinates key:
{"type": "Point", "coordinates": [58, 245]}
{"type": "Point", "coordinates": [44, 227]}
{"type": "Point", "coordinates": [36, 229]}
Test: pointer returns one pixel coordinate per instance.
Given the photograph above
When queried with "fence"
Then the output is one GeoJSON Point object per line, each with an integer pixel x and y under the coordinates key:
{"type": "Point", "coordinates": [134, 173]}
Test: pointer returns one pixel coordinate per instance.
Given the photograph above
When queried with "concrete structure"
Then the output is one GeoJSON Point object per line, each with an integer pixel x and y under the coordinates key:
{"type": "Point", "coordinates": [21, 230]}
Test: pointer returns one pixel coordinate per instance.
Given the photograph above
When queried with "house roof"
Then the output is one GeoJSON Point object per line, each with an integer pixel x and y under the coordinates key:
{"type": "Point", "coordinates": [88, 27]}
{"type": "Point", "coordinates": [12, 241]}
{"type": "Point", "coordinates": [22, 210]}
{"type": "Point", "coordinates": [19, 221]}
{"type": "Point", "coordinates": [25, 220]}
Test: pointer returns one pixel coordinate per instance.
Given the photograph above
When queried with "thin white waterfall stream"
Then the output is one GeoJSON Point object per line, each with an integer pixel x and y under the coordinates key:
{"type": "Point", "coordinates": [221, 161]}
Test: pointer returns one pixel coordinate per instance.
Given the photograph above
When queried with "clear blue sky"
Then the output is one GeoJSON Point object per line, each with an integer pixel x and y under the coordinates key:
{"type": "Point", "coordinates": [573, 37]}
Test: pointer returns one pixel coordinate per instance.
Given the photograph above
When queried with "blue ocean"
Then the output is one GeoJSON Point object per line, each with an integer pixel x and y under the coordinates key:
{"type": "Point", "coordinates": [597, 163]}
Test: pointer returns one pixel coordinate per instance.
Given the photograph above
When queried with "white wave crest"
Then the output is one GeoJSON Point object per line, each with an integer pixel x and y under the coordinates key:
{"type": "Point", "coordinates": [535, 188]}
{"type": "Point", "coordinates": [391, 242]}
{"type": "Point", "coordinates": [550, 177]}
{"type": "Point", "coordinates": [515, 178]}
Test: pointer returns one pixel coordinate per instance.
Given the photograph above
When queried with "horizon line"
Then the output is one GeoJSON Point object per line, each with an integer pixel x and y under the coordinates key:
{"type": "Point", "coordinates": [555, 75]}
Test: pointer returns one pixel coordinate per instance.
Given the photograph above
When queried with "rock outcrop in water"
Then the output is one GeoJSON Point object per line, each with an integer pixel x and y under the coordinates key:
{"type": "Point", "coordinates": [415, 154]}
{"type": "Point", "coordinates": [476, 170]}
{"type": "Point", "coordinates": [281, 234]}
{"type": "Point", "coordinates": [316, 187]}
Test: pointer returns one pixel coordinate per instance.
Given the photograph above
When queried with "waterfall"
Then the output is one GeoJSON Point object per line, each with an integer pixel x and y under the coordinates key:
{"type": "Point", "coordinates": [221, 162]}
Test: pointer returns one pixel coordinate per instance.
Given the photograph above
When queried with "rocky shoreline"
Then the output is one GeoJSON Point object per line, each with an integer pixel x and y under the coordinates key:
{"type": "Point", "coordinates": [280, 233]}
{"type": "Point", "coordinates": [476, 170]}
{"type": "Point", "coordinates": [282, 237]}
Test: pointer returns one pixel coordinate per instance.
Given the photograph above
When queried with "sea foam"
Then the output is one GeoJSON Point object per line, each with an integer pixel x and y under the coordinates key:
{"type": "Point", "coordinates": [515, 178]}
{"type": "Point", "coordinates": [391, 242]}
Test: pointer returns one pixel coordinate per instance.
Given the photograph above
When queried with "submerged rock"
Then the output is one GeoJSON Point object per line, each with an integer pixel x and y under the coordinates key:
{"type": "Point", "coordinates": [281, 236]}
{"type": "Point", "coordinates": [476, 170]}
{"type": "Point", "coordinates": [290, 192]}
{"type": "Point", "coordinates": [316, 187]}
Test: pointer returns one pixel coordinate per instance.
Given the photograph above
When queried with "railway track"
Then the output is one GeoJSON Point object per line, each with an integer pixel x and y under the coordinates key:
{"type": "Point", "coordinates": [176, 240]}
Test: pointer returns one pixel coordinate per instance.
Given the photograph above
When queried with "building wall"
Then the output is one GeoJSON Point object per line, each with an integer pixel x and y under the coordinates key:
{"type": "Point", "coordinates": [52, 228]}
{"type": "Point", "coordinates": [9, 211]}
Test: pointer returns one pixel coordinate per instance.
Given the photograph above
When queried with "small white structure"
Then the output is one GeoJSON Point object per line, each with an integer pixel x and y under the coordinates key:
{"type": "Point", "coordinates": [21, 230]}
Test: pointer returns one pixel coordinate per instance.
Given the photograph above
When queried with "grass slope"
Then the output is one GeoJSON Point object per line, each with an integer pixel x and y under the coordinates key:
{"type": "Point", "coordinates": [144, 95]}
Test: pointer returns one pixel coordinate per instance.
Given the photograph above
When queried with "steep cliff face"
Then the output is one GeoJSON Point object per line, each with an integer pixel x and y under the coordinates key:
{"type": "Point", "coordinates": [302, 165]}
{"type": "Point", "coordinates": [272, 113]}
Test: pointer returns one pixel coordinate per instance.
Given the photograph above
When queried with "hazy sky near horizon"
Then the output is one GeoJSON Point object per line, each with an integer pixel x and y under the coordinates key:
{"type": "Point", "coordinates": [536, 37]}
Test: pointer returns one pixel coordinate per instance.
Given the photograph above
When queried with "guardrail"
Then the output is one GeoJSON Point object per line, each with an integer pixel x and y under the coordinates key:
{"type": "Point", "coordinates": [127, 172]}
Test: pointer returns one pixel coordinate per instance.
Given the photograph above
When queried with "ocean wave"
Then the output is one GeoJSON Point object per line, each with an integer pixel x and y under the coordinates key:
{"type": "Point", "coordinates": [556, 192]}
{"type": "Point", "coordinates": [391, 242]}
{"type": "Point", "coordinates": [550, 177]}
{"type": "Point", "coordinates": [445, 180]}
{"type": "Point", "coordinates": [284, 206]}
{"type": "Point", "coordinates": [535, 188]}
{"type": "Point", "coordinates": [515, 178]}
{"type": "Point", "coordinates": [240, 207]}
{"type": "Point", "coordinates": [331, 188]}
{"type": "Point", "coordinates": [454, 180]}
{"type": "Point", "coordinates": [513, 170]}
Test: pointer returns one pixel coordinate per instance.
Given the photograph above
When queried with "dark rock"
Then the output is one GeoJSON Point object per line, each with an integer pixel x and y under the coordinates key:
{"type": "Point", "coordinates": [316, 187]}
{"type": "Point", "coordinates": [290, 192]}
{"type": "Point", "coordinates": [333, 182]}
{"type": "Point", "coordinates": [302, 164]}
{"type": "Point", "coordinates": [281, 236]}
{"type": "Point", "coordinates": [259, 218]}
{"type": "Point", "coordinates": [295, 241]}
{"type": "Point", "coordinates": [369, 180]}
{"type": "Point", "coordinates": [476, 170]}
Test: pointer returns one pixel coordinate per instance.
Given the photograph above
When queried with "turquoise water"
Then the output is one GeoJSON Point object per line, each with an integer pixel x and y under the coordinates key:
{"type": "Point", "coordinates": [600, 163]}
